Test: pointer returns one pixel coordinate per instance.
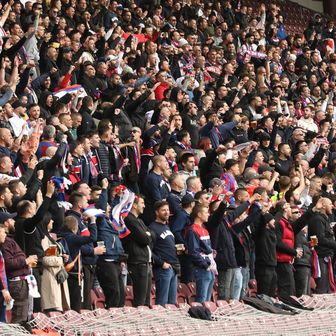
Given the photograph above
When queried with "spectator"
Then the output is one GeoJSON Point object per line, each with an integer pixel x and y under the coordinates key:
{"type": "Point", "coordinates": [166, 266]}
{"type": "Point", "coordinates": [201, 254]}
{"type": "Point", "coordinates": [138, 247]}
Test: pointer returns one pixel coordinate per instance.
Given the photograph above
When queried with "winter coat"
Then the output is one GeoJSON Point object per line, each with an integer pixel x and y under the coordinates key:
{"type": "Point", "coordinates": [51, 291]}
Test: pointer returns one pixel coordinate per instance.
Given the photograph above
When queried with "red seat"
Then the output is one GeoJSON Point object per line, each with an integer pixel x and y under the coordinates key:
{"type": "Point", "coordinates": [54, 314]}
{"type": "Point", "coordinates": [192, 288]}
{"type": "Point", "coordinates": [196, 304]}
{"type": "Point", "coordinates": [97, 302]}
{"type": "Point", "coordinates": [141, 308]}
{"type": "Point", "coordinates": [170, 306]}
{"type": "Point", "coordinates": [153, 295]}
{"type": "Point", "coordinates": [182, 305]}
{"type": "Point", "coordinates": [100, 293]}
{"type": "Point", "coordinates": [222, 303]}
{"type": "Point", "coordinates": [157, 307]}
{"type": "Point", "coordinates": [129, 296]}
{"type": "Point", "coordinates": [8, 316]}
{"type": "Point", "coordinates": [183, 293]}
{"type": "Point", "coordinates": [214, 295]}
{"type": "Point", "coordinates": [210, 305]}
{"type": "Point", "coordinates": [85, 311]}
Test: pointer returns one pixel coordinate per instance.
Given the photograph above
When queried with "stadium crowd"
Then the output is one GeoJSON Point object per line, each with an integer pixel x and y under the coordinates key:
{"type": "Point", "coordinates": [180, 141]}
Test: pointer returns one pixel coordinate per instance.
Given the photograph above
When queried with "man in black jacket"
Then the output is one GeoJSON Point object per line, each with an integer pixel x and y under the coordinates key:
{"type": "Point", "coordinates": [222, 235]}
{"type": "Point", "coordinates": [86, 111]}
{"type": "Point", "coordinates": [265, 251]}
{"type": "Point", "coordinates": [138, 247]}
{"type": "Point", "coordinates": [319, 226]}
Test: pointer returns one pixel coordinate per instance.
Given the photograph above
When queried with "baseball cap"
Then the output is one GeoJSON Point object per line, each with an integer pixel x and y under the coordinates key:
{"type": "Point", "coordinates": [166, 45]}
{"type": "Point", "coordinates": [17, 104]}
{"type": "Point", "coordinates": [66, 50]}
{"type": "Point", "coordinates": [187, 199]}
{"type": "Point", "coordinates": [263, 136]}
{"type": "Point", "coordinates": [251, 175]}
{"type": "Point", "coordinates": [183, 42]}
{"type": "Point", "coordinates": [6, 215]}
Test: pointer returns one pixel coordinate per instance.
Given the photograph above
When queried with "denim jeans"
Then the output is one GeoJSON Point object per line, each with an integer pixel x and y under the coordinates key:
{"type": "Point", "coordinates": [246, 277]}
{"type": "Point", "coordinates": [204, 284]}
{"type": "Point", "coordinates": [166, 286]}
{"type": "Point", "coordinates": [229, 283]}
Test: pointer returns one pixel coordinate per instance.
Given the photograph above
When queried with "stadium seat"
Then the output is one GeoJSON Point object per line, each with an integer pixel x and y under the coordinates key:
{"type": "Point", "coordinates": [214, 295]}
{"type": "Point", "coordinates": [129, 296]}
{"type": "Point", "coordinates": [100, 293]}
{"type": "Point", "coordinates": [222, 303]}
{"type": "Point", "coordinates": [170, 306]}
{"type": "Point", "coordinates": [192, 288]}
{"type": "Point", "coordinates": [54, 314]}
{"type": "Point", "coordinates": [210, 305]}
{"type": "Point", "coordinates": [182, 305]}
{"type": "Point", "coordinates": [196, 304]}
{"type": "Point", "coordinates": [183, 293]}
{"type": "Point", "coordinates": [157, 307]}
{"type": "Point", "coordinates": [85, 311]}
{"type": "Point", "coordinates": [141, 308]}
{"type": "Point", "coordinates": [96, 302]}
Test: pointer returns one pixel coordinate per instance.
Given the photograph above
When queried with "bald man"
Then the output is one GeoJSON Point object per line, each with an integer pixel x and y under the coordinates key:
{"type": "Point", "coordinates": [7, 145]}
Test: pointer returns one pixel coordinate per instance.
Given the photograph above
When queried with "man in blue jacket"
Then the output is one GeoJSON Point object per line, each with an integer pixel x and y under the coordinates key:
{"type": "Point", "coordinates": [166, 264]}
{"type": "Point", "coordinates": [178, 226]}
{"type": "Point", "coordinates": [155, 187]}
{"type": "Point", "coordinates": [89, 253]}
{"type": "Point", "coordinates": [109, 263]}
{"type": "Point", "coordinates": [200, 252]}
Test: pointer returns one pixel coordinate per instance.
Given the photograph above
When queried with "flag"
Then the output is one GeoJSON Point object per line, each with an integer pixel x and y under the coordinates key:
{"type": "Point", "coordinates": [61, 184]}
{"type": "Point", "coordinates": [78, 89]}
{"type": "Point", "coordinates": [121, 211]}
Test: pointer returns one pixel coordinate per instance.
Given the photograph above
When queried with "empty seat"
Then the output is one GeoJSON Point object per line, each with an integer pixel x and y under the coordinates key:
{"type": "Point", "coordinates": [192, 288]}
{"type": "Point", "coordinates": [183, 293]}
{"type": "Point", "coordinates": [96, 302]}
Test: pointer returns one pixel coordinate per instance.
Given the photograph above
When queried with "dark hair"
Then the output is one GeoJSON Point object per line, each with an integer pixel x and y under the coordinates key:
{"type": "Point", "coordinates": [22, 207]}
{"type": "Point", "coordinates": [197, 208]}
{"type": "Point", "coordinates": [159, 204]}
{"type": "Point", "coordinates": [77, 185]}
{"type": "Point", "coordinates": [75, 197]}
{"type": "Point", "coordinates": [3, 188]}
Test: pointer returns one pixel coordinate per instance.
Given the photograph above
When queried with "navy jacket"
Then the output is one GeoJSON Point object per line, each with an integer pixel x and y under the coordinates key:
{"type": "Point", "coordinates": [108, 233]}
{"type": "Point", "coordinates": [164, 249]}
{"type": "Point", "coordinates": [198, 244]}
{"type": "Point", "coordinates": [174, 200]}
{"type": "Point", "coordinates": [178, 225]}
{"type": "Point", "coordinates": [75, 242]}
{"type": "Point", "coordinates": [219, 228]}
{"type": "Point", "coordinates": [87, 250]}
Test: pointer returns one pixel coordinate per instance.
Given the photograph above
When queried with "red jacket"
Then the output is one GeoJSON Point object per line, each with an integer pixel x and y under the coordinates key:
{"type": "Point", "coordinates": [287, 239]}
